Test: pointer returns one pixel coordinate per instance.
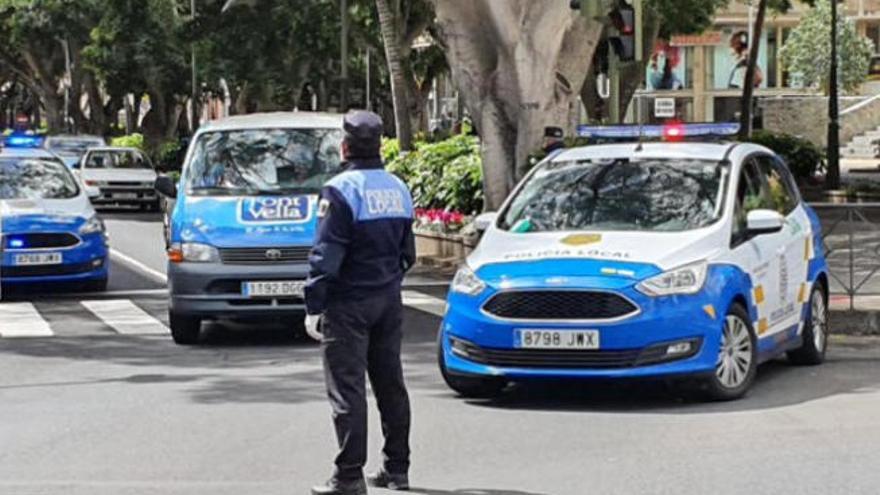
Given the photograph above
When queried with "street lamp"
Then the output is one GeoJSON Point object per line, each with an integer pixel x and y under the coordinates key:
{"type": "Point", "coordinates": [832, 178]}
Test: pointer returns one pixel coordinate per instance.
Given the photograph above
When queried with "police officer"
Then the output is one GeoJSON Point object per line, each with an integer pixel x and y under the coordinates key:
{"type": "Point", "coordinates": [553, 140]}
{"type": "Point", "coordinates": [364, 246]}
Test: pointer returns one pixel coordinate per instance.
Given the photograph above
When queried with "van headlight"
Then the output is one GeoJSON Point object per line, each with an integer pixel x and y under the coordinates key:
{"type": "Point", "coordinates": [193, 252]}
{"type": "Point", "coordinates": [467, 282]}
{"type": "Point", "coordinates": [687, 279]}
{"type": "Point", "coordinates": [92, 226]}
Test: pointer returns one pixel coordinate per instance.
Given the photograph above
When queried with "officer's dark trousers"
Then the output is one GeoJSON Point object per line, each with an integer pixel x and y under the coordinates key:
{"type": "Point", "coordinates": [364, 336]}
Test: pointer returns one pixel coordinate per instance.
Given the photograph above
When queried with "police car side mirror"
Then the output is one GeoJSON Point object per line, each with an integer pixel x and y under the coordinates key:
{"type": "Point", "coordinates": [165, 186]}
{"type": "Point", "coordinates": [761, 222]}
{"type": "Point", "coordinates": [484, 221]}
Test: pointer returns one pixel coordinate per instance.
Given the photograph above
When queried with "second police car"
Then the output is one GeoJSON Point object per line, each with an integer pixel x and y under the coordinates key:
{"type": "Point", "coordinates": [245, 216]}
{"type": "Point", "coordinates": [654, 260]}
{"type": "Point", "coordinates": [50, 231]}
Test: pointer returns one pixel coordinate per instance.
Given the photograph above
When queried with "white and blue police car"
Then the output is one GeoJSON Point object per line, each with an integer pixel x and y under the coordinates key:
{"type": "Point", "coordinates": [244, 218]}
{"type": "Point", "coordinates": [641, 260]}
{"type": "Point", "coordinates": [49, 232]}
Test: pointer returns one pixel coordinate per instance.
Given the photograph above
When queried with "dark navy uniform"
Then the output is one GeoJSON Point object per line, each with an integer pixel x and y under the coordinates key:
{"type": "Point", "coordinates": [364, 246]}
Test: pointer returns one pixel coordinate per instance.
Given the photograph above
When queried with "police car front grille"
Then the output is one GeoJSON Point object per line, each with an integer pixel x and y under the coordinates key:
{"type": "Point", "coordinates": [532, 358]}
{"type": "Point", "coordinates": [559, 305]}
{"type": "Point", "coordinates": [264, 256]}
{"type": "Point", "coordinates": [41, 241]}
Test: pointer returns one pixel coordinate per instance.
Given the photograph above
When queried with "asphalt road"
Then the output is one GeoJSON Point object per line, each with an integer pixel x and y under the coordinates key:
{"type": "Point", "coordinates": [97, 412]}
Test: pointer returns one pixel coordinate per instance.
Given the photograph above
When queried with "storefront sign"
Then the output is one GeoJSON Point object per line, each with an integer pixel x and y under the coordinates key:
{"type": "Point", "coordinates": [664, 108]}
{"type": "Point", "coordinates": [709, 38]}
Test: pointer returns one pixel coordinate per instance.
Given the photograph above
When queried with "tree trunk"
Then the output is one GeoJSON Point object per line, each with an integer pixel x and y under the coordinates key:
{"type": "Point", "coordinates": [745, 118]}
{"type": "Point", "coordinates": [519, 65]}
{"type": "Point", "coordinates": [388, 22]}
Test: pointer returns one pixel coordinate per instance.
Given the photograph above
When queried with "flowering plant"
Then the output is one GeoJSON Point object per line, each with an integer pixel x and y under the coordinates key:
{"type": "Point", "coordinates": [439, 220]}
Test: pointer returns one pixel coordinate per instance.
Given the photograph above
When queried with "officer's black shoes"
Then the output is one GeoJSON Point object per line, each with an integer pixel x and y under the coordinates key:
{"type": "Point", "coordinates": [340, 487]}
{"type": "Point", "coordinates": [383, 479]}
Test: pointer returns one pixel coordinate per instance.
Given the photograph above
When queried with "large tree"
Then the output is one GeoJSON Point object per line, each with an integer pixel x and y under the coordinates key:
{"type": "Point", "coordinates": [520, 65]}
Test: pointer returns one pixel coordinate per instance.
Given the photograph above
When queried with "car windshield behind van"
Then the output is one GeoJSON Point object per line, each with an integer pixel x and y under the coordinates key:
{"type": "Point", "coordinates": [620, 195]}
{"type": "Point", "coordinates": [263, 161]}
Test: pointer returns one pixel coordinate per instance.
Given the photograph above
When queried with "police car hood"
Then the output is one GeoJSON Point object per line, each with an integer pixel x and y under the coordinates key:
{"type": "Point", "coordinates": [21, 215]}
{"type": "Point", "coordinates": [252, 221]}
{"type": "Point", "coordinates": [661, 250]}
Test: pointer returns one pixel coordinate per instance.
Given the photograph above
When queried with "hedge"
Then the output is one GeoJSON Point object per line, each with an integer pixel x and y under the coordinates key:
{"type": "Point", "coordinates": [804, 158]}
{"type": "Point", "coordinates": [446, 175]}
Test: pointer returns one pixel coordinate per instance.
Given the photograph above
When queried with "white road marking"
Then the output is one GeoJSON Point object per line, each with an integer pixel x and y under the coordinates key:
{"type": "Point", "coordinates": [22, 320]}
{"type": "Point", "coordinates": [424, 302]}
{"type": "Point", "coordinates": [125, 317]}
{"type": "Point", "coordinates": [153, 273]}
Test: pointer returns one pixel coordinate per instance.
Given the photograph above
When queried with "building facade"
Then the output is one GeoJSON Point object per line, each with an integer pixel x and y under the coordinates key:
{"type": "Point", "coordinates": [704, 73]}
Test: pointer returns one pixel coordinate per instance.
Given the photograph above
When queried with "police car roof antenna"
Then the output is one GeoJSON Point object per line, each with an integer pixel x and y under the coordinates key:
{"type": "Point", "coordinates": [639, 146]}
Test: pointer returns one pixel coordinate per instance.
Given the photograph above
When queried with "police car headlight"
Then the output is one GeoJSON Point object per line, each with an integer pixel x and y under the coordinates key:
{"type": "Point", "coordinates": [92, 225]}
{"type": "Point", "coordinates": [198, 253]}
{"type": "Point", "coordinates": [467, 282]}
{"type": "Point", "coordinates": [688, 279]}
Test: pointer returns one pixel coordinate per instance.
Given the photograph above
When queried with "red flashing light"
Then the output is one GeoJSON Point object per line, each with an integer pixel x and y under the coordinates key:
{"type": "Point", "coordinates": [674, 132]}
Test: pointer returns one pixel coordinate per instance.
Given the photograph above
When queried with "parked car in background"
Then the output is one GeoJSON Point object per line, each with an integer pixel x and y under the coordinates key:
{"type": "Point", "coordinates": [71, 148]}
{"type": "Point", "coordinates": [125, 176]}
{"type": "Point", "coordinates": [49, 231]}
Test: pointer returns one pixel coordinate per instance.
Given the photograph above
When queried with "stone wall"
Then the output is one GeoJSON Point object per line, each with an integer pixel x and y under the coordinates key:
{"type": "Point", "coordinates": [807, 117]}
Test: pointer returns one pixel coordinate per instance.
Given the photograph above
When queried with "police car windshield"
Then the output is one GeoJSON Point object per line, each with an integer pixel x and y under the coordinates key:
{"type": "Point", "coordinates": [619, 195]}
{"type": "Point", "coordinates": [263, 161]}
{"type": "Point", "coordinates": [26, 178]}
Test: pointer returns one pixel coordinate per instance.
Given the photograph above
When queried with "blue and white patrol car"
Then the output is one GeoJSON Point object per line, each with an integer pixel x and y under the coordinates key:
{"type": "Point", "coordinates": [50, 232]}
{"type": "Point", "coordinates": [654, 260]}
{"type": "Point", "coordinates": [245, 217]}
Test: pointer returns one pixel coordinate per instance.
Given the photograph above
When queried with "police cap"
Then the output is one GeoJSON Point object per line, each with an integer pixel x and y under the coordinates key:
{"type": "Point", "coordinates": [554, 132]}
{"type": "Point", "coordinates": [363, 134]}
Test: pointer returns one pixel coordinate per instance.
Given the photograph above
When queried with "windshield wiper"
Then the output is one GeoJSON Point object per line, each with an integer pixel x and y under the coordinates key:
{"type": "Point", "coordinates": [286, 190]}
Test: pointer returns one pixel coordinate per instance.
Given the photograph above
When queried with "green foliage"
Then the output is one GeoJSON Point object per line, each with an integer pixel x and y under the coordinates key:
{"type": "Point", "coordinates": [685, 16]}
{"type": "Point", "coordinates": [446, 175]}
{"type": "Point", "coordinates": [803, 158]}
{"type": "Point", "coordinates": [167, 155]}
{"type": "Point", "coordinates": [807, 52]}
{"type": "Point", "coordinates": [129, 141]}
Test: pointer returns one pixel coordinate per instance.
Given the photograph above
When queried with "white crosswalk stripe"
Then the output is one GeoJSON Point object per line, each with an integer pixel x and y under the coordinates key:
{"type": "Point", "coordinates": [424, 302]}
{"type": "Point", "coordinates": [75, 317]}
{"type": "Point", "coordinates": [21, 319]}
{"type": "Point", "coordinates": [125, 317]}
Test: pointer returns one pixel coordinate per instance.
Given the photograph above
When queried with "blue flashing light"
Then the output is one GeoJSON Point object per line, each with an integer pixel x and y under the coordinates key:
{"type": "Point", "coordinates": [16, 243]}
{"type": "Point", "coordinates": [631, 132]}
{"type": "Point", "coordinates": [23, 141]}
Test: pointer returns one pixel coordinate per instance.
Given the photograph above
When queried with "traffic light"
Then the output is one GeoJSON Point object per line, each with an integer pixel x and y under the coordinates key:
{"type": "Point", "coordinates": [623, 19]}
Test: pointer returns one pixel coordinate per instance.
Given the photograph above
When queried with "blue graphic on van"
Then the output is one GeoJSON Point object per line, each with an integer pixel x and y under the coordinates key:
{"type": "Point", "coordinates": [284, 209]}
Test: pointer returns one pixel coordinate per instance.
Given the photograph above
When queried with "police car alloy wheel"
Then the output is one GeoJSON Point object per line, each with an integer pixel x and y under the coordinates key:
{"type": "Point", "coordinates": [184, 329]}
{"type": "Point", "coordinates": [737, 357]}
{"type": "Point", "coordinates": [815, 333]}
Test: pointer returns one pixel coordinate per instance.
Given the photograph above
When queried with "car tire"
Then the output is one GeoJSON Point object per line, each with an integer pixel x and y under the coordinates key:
{"type": "Point", "coordinates": [469, 387]}
{"type": "Point", "coordinates": [815, 334]}
{"type": "Point", "coordinates": [97, 285]}
{"type": "Point", "coordinates": [737, 362]}
{"type": "Point", "coordinates": [185, 330]}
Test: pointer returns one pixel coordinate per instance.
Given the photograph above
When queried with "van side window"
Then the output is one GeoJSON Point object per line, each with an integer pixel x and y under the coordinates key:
{"type": "Point", "coordinates": [782, 198]}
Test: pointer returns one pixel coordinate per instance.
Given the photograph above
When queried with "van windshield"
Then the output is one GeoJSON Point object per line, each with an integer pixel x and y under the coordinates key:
{"type": "Point", "coordinates": [263, 161]}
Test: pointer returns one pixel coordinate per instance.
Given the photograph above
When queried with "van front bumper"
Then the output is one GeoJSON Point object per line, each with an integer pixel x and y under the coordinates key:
{"type": "Point", "coordinates": [213, 290]}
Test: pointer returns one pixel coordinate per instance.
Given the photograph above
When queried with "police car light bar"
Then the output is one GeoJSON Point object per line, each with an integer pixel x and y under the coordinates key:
{"type": "Point", "coordinates": [669, 132]}
{"type": "Point", "coordinates": [20, 141]}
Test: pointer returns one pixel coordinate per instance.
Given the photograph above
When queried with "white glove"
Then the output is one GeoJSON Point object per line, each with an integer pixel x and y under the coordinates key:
{"type": "Point", "coordinates": [313, 327]}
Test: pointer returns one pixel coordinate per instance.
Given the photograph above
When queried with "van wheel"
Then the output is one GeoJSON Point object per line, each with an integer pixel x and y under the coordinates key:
{"type": "Point", "coordinates": [737, 358]}
{"type": "Point", "coordinates": [815, 334]}
{"type": "Point", "coordinates": [469, 387]}
{"type": "Point", "coordinates": [184, 329]}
